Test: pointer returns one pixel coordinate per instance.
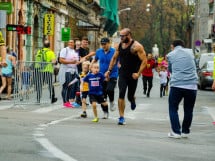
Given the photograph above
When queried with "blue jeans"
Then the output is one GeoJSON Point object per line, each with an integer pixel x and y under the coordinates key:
{"type": "Point", "coordinates": [175, 97]}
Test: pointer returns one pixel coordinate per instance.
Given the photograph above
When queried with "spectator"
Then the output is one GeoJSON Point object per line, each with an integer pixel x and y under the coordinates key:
{"type": "Point", "coordinates": [68, 72]}
{"type": "Point", "coordinates": [7, 72]}
{"type": "Point", "coordinates": [183, 85]}
{"type": "Point", "coordinates": [44, 70]}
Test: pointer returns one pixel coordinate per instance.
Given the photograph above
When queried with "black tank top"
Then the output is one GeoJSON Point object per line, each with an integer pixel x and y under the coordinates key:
{"type": "Point", "coordinates": [130, 62]}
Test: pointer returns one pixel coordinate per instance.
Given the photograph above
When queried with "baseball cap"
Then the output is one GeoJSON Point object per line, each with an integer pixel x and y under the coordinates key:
{"type": "Point", "coordinates": [105, 40]}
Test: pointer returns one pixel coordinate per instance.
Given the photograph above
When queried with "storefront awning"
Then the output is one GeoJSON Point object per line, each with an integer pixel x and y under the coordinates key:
{"type": "Point", "coordinates": [111, 14]}
{"type": "Point", "coordinates": [86, 26]}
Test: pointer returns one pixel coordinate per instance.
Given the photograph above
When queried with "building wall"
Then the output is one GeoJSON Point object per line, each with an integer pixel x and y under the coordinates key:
{"type": "Point", "coordinates": [31, 13]}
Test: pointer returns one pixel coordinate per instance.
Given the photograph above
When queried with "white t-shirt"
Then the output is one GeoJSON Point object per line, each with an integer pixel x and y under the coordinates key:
{"type": "Point", "coordinates": [163, 77]}
{"type": "Point", "coordinates": [69, 54]}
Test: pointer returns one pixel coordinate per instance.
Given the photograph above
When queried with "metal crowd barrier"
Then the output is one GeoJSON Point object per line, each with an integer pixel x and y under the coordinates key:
{"type": "Point", "coordinates": [32, 83]}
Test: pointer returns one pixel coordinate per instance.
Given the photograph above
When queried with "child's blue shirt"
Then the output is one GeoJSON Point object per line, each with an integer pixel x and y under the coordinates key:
{"type": "Point", "coordinates": [95, 83]}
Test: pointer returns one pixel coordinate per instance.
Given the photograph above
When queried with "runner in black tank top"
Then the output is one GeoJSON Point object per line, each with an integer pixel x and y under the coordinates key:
{"type": "Point", "coordinates": [132, 58]}
{"type": "Point", "coordinates": [130, 62]}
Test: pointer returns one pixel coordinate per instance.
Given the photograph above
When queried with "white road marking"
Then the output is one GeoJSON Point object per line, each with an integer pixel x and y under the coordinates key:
{"type": "Point", "coordinates": [54, 150]}
{"type": "Point", "coordinates": [40, 137]}
{"type": "Point", "coordinates": [211, 111]}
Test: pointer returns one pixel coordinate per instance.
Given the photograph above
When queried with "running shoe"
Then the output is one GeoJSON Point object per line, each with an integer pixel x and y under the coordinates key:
{"type": "Point", "coordinates": [112, 106]}
{"type": "Point", "coordinates": [133, 105]}
{"type": "Point", "coordinates": [96, 119]}
{"type": "Point", "coordinates": [185, 135]}
{"type": "Point", "coordinates": [121, 121]}
{"type": "Point", "coordinates": [174, 135]}
{"type": "Point", "coordinates": [84, 114]}
{"type": "Point", "coordinates": [106, 115]}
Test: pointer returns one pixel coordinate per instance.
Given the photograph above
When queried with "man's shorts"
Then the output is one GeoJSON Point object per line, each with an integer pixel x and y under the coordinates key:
{"type": "Point", "coordinates": [97, 98]}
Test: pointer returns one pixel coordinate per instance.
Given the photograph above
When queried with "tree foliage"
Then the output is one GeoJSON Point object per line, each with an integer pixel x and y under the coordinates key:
{"type": "Point", "coordinates": [165, 21]}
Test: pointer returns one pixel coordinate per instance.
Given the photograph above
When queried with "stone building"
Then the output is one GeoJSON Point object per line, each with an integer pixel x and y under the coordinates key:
{"type": "Point", "coordinates": [46, 18]}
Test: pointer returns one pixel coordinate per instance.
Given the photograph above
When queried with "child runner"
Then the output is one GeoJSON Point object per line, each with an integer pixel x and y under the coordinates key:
{"type": "Point", "coordinates": [95, 80]}
{"type": "Point", "coordinates": [163, 80]}
{"type": "Point", "coordinates": [84, 87]}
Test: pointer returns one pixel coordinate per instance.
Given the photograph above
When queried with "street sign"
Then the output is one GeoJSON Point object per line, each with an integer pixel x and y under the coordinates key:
{"type": "Point", "coordinates": [49, 24]}
{"type": "Point", "coordinates": [6, 6]}
{"type": "Point", "coordinates": [65, 34]}
{"type": "Point", "coordinates": [20, 29]}
{"type": "Point", "coordinates": [198, 43]}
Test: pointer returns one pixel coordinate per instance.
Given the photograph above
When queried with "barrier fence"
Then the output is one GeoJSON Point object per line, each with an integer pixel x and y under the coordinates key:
{"type": "Point", "coordinates": [33, 83]}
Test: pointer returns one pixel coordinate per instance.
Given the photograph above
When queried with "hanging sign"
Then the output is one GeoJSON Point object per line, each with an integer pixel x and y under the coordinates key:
{"type": "Point", "coordinates": [7, 6]}
{"type": "Point", "coordinates": [65, 34]}
{"type": "Point", "coordinates": [49, 24]}
{"type": "Point", "coordinates": [1, 39]}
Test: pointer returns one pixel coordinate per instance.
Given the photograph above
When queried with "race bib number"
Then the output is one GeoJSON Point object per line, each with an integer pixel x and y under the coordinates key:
{"type": "Point", "coordinates": [95, 83]}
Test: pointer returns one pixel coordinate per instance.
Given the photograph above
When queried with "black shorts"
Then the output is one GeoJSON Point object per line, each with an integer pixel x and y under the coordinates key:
{"type": "Point", "coordinates": [97, 98]}
{"type": "Point", "coordinates": [84, 94]}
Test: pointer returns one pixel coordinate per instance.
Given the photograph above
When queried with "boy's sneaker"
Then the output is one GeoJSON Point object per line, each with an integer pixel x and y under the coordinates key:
{"type": "Point", "coordinates": [121, 121]}
{"type": "Point", "coordinates": [133, 105]}
{"type": "Point", "coordinates": [74, 104]}
{"type": "Point", "coordinates": [84, 114]}
{"type": "Point", "coordinates": [96, 119]}
{"type": "Point", "coordinates": [185, 135]}
{"type": "Point", "coordinates": [112, 106]}
{"type": "Point", "coordinates": [106, 115]}
{"type": "Point", "coordinates": [174, 135]}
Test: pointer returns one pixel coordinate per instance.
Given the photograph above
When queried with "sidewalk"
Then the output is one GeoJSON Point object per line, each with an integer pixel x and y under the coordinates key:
{"type": "Point", "coordinates": [5, 104]}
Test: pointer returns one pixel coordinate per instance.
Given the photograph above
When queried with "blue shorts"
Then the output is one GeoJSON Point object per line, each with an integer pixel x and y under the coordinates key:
{"type": "Point", "coordinates": [9, 75]}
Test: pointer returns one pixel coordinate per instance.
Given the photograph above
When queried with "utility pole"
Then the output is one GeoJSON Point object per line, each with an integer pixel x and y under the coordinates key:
{"type": "Point", "coordinates": [201, 24]}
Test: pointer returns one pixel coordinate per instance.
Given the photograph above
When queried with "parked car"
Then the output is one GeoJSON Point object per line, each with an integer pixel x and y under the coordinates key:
{"type": "Point", "coordinates": [203, 58]}
{"type": "Point", "coordinates": [205, 75]}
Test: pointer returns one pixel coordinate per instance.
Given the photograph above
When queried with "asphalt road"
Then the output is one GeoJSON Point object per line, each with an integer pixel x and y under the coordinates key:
{"type": "Point", "coordinates": [53, 133]}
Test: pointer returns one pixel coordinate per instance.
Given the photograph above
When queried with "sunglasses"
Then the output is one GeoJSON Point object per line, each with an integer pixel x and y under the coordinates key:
{"type": "Point", "coordinates": [103, 43]}
{"type": "Point", "coordinates": [123, 35]}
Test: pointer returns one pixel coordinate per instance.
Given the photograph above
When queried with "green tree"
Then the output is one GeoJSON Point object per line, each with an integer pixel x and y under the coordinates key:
{"type": "Point", "coordinates": [165, 21]}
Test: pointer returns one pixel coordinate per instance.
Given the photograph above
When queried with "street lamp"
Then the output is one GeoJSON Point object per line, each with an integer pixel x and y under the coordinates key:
{"type": "Point", "coordinates": [125, 9]}
{"type": "Point", "coordinates": [148, 7]}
